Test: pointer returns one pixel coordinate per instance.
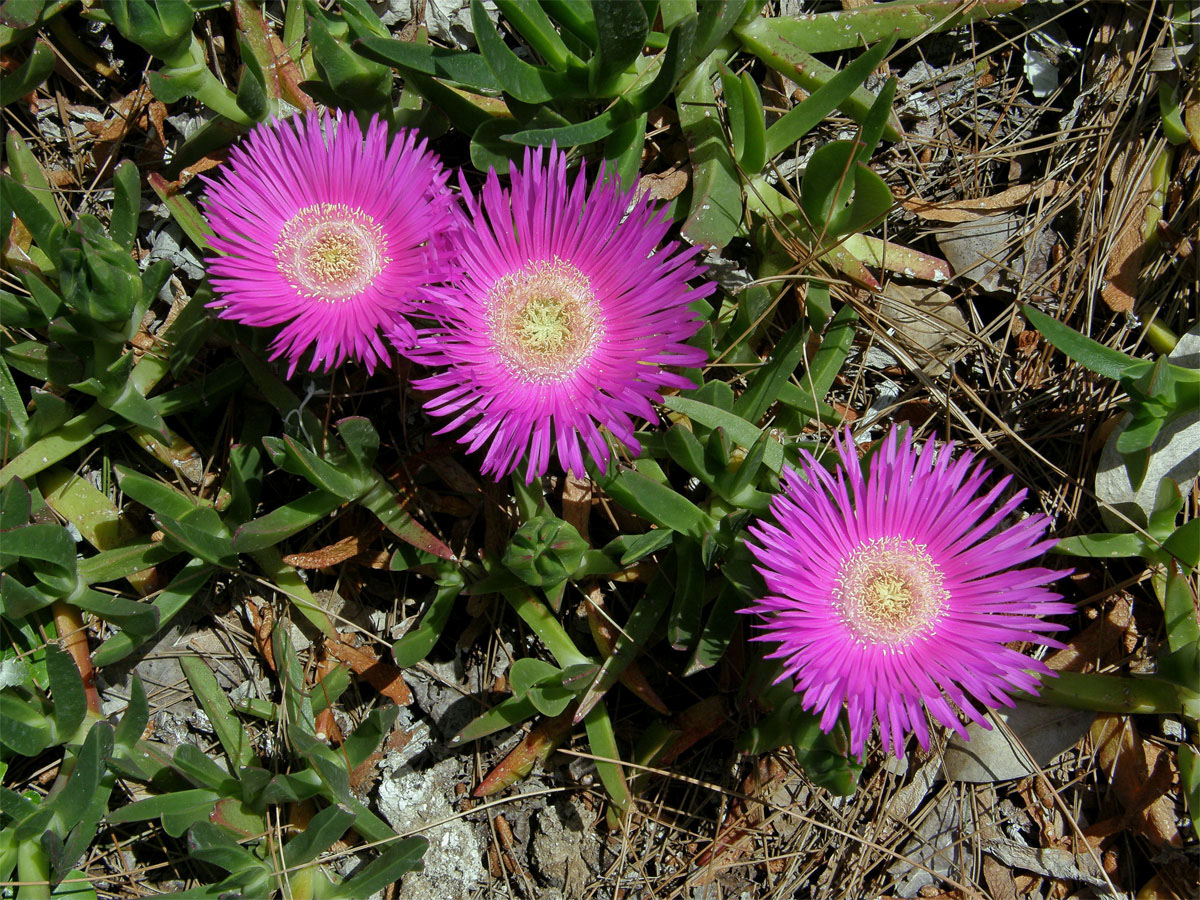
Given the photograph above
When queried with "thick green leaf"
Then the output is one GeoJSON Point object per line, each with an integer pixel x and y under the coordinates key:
{"type": "Point", "coordinates": [588, 132]}
{"type": "Point", "coordinates": [687, 451]}
{"type": "Point", "coordinates": [630, 643]}
{"type": "Point", "coordinates": [211, 844]}
{"type": "Point", "coordinates": [718, 631]}
{"type": "Point", "coordinates": [1179, 610]}
{"type": "Point", "coordinates": [850, 28]}
{"type": "Point", "coordinates": [231, 734]}
{"type": "Point", "coordinates": [181, 805]}
{"type": "Point", "coordinates": [734, 426]}
{"type": "Point", "coordinates": [23, 729]}
{"type": "Point", "coordinates": [30, 74]}
{"type": "Point", "coordinates": [621, 30]}
{"type": "Point", "coordinates": [284, 521]}
{"type": "Point", "coordinates": [505, 714]}
{"type": "Point", "coordinates": [294, 457]}
{"type": "Point", "coordinates": [532, 23]}
{"type": "Point", "coordinates": [318, 835]}
{"type": "Point", "coordinates": [674, 66]}
{"type": "Point", "coordinates": [468, 69]}
{"type": "Point", "coordinates": [1102, 546]}
{"type": "Point", "coordinates": [66, 692]}
{"type": "Point", "coordinates": [1184, 543]}
{"type": "Point", "coordinates": [202, 534]}
{"type": "Point", "coordinates": [127, 204]}
{"type": "Point", "coordinates": [416, 644]}
{"type": "Point", "coordinates": [137, 618]}
{"type": "Point", "coordinates": [167, 604]}
{"type": "Point", "coordinates": [157, 496]}
{"type": "Point", "coordinates": [716, 207]}
{"type": "Point", "coordinates": [45, 226]}
{"type": "Point", "coordinates": [656, 502]}
{"type": "Point", "coordinates": [398, 859]}
{"type": "Point", "coordinates": [193, 764]}
{"type": "Point", "coordinates": [806, 115]}
{"type": "Point", "coordinates": [603, 743]}
{"type": "Point", "coordinates": [137, 715]}
{"type": "Point", "coordinates": [764, 383]}
{"type": "Point", "coordinates": [369, 734]}
{"type": "Point", "coordinates": [1088, 353]}
{"type": "Point", "coordinates": [1189, 779]}
{"type": "Point", "coordinates": [528, 83]}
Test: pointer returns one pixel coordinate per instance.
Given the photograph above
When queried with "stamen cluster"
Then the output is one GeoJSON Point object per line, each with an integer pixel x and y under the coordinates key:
{"type": "Point", "coordinates": [549, 320]}
{"type": "Point", "coordinates": [896, 595]}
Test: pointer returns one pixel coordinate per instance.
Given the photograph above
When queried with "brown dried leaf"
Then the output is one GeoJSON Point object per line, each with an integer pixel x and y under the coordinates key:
{"type": "Point", "coordinates": [1124, 265]}
{"type": "Point", "coordinates": [577, 503]}
{"type": "Point", "coordinates": [663, 185]}
{"type": "Point", "coordinates": [1142, 775]}
{"type": "Point", "coordinates": [384, 677]}
{"type": "Point", "coordinates": [1099, 643]}
{"type": "Point", "coordinates": [955, 211]}
{"type": "Point", "coordinates": [335, 553]}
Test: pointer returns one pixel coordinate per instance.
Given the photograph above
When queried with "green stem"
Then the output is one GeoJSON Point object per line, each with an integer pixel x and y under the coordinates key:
{"type": "Point", "coordinates": [1161, 338]}
{"type": "Point", "coordinates": [1119, 694]}
{"type": "Point", "coordinates": [538, 617]}
{"type": "Point", "coordinates": [603, 743]}
{"type": "Point", "coordinates": [288, 580]}
{"type": "Point", "coordinates": [33, 868]}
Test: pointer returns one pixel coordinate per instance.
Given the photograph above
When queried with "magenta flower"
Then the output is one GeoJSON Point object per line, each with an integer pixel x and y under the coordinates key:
{"type": "Point", "coordinates": [563, 320]}
{"type": "Point", "coordinates": [333, 234]}
{"type": "Point", "coordinates": [899, 591]}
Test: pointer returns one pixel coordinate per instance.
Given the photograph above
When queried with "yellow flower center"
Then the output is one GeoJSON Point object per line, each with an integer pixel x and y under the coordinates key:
{"type": "Point", "coordinates": [330, 251]}
{"type": "Point", "coordinates": [544, 321]}
{"type": "Point", "coordinates": [890, 591]}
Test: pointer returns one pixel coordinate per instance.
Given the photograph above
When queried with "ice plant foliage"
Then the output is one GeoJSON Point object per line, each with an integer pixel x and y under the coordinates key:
{"type": "Point", "coordinates": [895, 593]}
{"type": "Point", "coordinates": [334, 233]}
{"type": "Point", "coordinates": [564, 318]}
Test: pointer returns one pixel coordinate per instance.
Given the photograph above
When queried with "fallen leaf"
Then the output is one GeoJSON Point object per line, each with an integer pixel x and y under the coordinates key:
{"type": "Point", "coordinates": [955, 211]}
{"type": "Point", "coordinates": [1053, 863]}
{"type": "Point", "coordinates": [577, 503]}
{"type": "Point", "coordinates": [662, 185]}
{"type": "Point", "coordinates": [1099, 643]}
{"type": "Point", "coordinates": [382, 676]}
{"type": "Point", "coordinates": [1044, 731]}
{"type": "Point", "coordinates": [927, 322]}
{"type": "Point", "coordinates": [337, 552]}
{"type": "Point", "coordinates": [997, 249]}
{"type": "Point", "coordinates": [1124, 266]}
{"type": "Point", "coordinates": [1142, 775]}
{"type": "Point", "coordinates": [936, 845]}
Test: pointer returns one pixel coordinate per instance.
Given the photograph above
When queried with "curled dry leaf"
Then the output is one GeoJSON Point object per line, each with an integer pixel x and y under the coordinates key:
{"type": "Point", "coordinates": [1143, 775]}
{"type": "Point", "coordinates": [663, 185]}
{"type": "Point", "coordinates": [335, 553]}
{"type": "Point", "coordinates": [955, 211]}
{"type": "Point", "coordinates": [1124, 265]}
{"type": "Point", "coordinates": [382, 676]}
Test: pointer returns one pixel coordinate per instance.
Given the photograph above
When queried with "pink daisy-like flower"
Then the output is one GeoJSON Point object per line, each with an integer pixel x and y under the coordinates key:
{"type": "Point", "coordinates": [896, 593]}
{"type": "Point", "coordinates": [334, 234]}
{"type": "Point", "coordinates": [566, 313]}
